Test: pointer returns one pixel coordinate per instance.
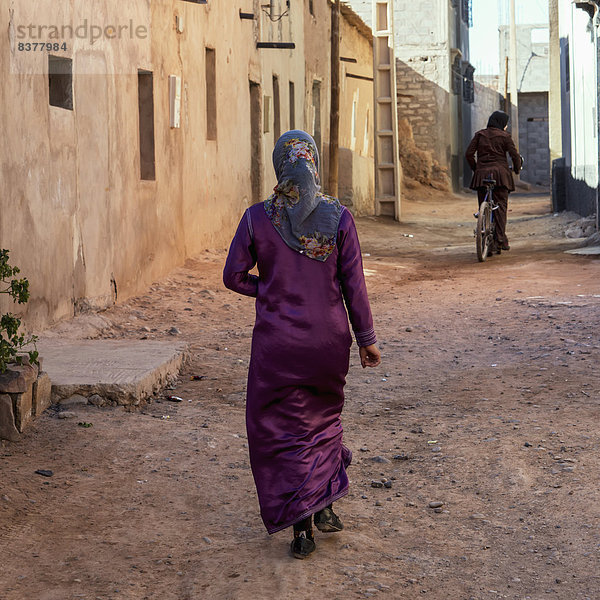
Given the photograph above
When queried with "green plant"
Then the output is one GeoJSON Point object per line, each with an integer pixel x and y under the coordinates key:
{"type": "Point", "coordinates": [12, 342]}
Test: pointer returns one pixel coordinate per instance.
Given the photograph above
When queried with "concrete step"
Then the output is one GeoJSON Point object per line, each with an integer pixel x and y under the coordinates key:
{"type": "Point", "coordinates": [122, 372]}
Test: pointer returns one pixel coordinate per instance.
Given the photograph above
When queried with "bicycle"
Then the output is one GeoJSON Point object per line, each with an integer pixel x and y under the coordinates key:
{"type": "Point", "coordinates": [486, 226]}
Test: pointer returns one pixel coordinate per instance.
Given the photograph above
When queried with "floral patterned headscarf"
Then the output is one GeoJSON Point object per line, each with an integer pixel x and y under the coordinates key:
{"type": "Point", "coordinates": [306, 220]}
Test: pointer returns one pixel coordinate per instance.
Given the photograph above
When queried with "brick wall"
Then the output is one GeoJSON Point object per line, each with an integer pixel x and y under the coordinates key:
{"type": "Point", "coordinates": [426, 106]}
{"type": "Point", "coordinates": [534, 142]}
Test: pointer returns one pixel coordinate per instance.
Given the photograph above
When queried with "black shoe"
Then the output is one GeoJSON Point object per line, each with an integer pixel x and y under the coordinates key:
{"type": "Point", "coordinates": [327, 521]}
{"type": "Point", "coordinates": [302, 546]}
{"type": "Point", "coordinates": [505, 247]}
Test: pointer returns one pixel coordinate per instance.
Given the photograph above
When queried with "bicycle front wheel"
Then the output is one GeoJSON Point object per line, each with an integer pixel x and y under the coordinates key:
{"type": "Point", "coordinates": [483, 232]}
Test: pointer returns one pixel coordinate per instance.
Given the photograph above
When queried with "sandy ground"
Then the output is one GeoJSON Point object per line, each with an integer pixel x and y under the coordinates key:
{"type": "Point", "coordinates": [486, 401]}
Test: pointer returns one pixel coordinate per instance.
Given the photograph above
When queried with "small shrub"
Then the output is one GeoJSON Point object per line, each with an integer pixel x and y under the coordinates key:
{"type": "Point", "coordinates": [12, 342]}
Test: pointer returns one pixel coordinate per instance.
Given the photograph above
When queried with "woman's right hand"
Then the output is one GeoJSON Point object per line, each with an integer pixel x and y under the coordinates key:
{"type": "Point", "coordinates": [369, 356]}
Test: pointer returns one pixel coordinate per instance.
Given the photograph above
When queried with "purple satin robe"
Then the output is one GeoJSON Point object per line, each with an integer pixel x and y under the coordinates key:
{"type": "Point", "coordinates": [300, 357]}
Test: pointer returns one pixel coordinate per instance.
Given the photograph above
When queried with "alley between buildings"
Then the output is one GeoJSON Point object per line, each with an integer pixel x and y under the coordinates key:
{"type": "Point", "coordinates": [482, 419]}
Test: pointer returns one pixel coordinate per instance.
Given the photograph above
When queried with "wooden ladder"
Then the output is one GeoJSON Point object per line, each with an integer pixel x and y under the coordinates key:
{"type": "Point", "coordinates": [388, 169]}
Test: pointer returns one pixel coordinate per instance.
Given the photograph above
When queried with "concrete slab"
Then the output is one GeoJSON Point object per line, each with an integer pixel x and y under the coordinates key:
{"type": "Point", "coordinates": [588, 251]}
{"type": "Point", "coordinates": [123, 372]}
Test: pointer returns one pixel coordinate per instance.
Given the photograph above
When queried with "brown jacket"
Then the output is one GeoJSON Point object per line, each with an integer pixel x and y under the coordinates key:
{"type": "Point", "coordinates": [491, 146]}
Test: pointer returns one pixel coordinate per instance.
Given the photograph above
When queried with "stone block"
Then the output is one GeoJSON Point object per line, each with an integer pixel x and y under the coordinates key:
{"type": "Point", "coordinates": [23, 405]}
{"type": "Point", "coordinates": [42, 394]}
{"type": "Point", "coordinates": [73, 400]}
{"type": "Point", "coordinates": [17, 379]}
{"type": "Point", "coordinates": [8, 430]}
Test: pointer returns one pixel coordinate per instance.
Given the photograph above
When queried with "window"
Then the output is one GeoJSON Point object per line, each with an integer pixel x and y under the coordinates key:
{"type": "Point", "coordinates": [456, 75]}
{"type": "Point", "coordinates": [292, 105]}
{"type": "Point", "coordinates": [146, 116]}
{"type": "Point", "coordinates": [197, 1]}
{"type": "Point", "coordinates": [60, 82]}
{"type": "Point", "coordinates": [276, 108]}
{"type": "Point", "coordinates": [468, 83]}
{"type": "Point", "coordinates": [311, 7]}
{"type": "Point", "coordinates": [211, 93]}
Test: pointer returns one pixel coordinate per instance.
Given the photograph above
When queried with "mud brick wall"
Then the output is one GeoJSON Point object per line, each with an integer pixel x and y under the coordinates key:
{"type": "Point", "coordinates": [424, 104]}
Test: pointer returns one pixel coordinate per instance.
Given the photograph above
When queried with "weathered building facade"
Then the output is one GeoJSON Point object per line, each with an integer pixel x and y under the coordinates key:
{"type": "Point", "coordinates": [576, 176]}
{"type": "Point", "coordinates": [139, 135]}
{"type": "Point", "coordinates": [435, 80]}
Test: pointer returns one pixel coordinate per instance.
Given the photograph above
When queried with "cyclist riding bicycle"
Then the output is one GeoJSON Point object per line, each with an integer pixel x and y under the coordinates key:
{"type": "Point", "coordinates": [491, 146]}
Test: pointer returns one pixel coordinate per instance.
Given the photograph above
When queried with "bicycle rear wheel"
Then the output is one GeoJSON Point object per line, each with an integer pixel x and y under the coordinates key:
{"type": "Point", "coordinates": [483, 232]}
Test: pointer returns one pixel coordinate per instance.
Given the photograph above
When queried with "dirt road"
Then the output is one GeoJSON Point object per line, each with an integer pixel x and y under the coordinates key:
{"type": "Point", "coordinates": [487, 402]}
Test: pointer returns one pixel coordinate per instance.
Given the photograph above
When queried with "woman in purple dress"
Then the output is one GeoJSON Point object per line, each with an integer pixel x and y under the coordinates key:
{"type": "Point", "coordinates": [309, 262]}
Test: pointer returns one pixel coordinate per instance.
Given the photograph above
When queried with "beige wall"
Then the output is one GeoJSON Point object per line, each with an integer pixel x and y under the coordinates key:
{"type": "Point", "coordinates": [357, 151]}
{"type": "Point", "coordinates": [317, 47]}
{"type": "Point", "coordinates": [74, 212]}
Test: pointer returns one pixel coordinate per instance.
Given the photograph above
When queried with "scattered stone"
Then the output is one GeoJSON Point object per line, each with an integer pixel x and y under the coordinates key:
{"type": "Point", "coordinates": [6, 498]}
{"type": "Point", "coordinates": [66, 414]}
{"type": "Point", "coordinates": [364, 449]}
{"type": "Point", "coordinates": [97, 400]}
{"type": "Point", "coordinates": [376, 484]}
{"type": "Point", "coordinates": [74, 400]}
{"type": "Point", "coordinates": [436, 449]}
{"type": "Point", "coordinates": [402, 456]}
{"type": "Point", "coordinates": [417, 430]}
{"type": "Point", "coordinates": [477, 516]}
{"type": "Point", "coordinates": [436, 504]}
{"type": "Point", "coordinates": [387, 484]}
{"type": "Point", "coordinates": [380, 459]}
{"type": "Point", "coordinates": [174, 331]}
{"type": "Point", "coordinates": [378, 503]}
{"type": "Point", "coordinates": [528, 445]}
{"type": "Point", "coordinates": [207, 540]}
{"type": "Point", "coordinates": [44, 472]}
{"type": "Point", "coordinates": [408, 329]}
{"type": "Point", "coordinates": [438, 510]}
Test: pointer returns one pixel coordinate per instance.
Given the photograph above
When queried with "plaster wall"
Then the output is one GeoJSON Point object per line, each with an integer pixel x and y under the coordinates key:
{"type": "Point", "coordinates": [357, 151]}
{"type": "Point", "coordinates": [317, 70]}
{"type": "Point", "coordinates": [78, 219]}
{"type": "Point", "coordinates": [554, 100]}
{"type": "Point", "coordinates": [577, 172]}
{"type": "Point", "coordinates": [487, 100]}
